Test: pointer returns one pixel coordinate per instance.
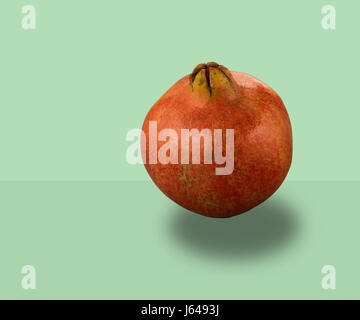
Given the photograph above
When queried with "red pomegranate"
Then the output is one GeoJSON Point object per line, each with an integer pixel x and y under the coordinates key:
{"type": "Point", "coordinates": [218, 142]}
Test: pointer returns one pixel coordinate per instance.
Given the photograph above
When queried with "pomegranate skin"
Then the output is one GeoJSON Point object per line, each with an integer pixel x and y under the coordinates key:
{"type": "Point", "coordinates": [262, 141]}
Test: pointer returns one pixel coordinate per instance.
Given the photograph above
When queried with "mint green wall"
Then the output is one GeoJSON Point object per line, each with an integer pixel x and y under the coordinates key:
{"type": "Point", "coordinates": [72, 88]}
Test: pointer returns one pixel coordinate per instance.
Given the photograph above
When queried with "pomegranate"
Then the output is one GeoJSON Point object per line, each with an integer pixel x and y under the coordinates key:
{"type": "Point", "coordinates": [218, 142]}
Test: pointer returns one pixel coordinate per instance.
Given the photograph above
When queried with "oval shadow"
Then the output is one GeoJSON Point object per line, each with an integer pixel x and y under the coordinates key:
{"type": "Point", "coordinates": [263, 230]}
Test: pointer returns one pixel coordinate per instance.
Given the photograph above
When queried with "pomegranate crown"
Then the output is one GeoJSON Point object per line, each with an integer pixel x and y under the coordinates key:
{"type": "Point", "coordinates": [210, 78]}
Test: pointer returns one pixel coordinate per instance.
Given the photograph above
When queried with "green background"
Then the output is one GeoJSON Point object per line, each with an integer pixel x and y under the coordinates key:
{"type": "Point", "coordinates": [94, 226]}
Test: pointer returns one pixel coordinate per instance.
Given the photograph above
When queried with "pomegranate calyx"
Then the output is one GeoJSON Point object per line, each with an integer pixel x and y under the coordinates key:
{"type": "Point", "coordinates": [210, 78]}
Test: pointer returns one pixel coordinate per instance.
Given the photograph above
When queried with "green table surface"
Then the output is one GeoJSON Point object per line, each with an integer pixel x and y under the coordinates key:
{"type": "Point", "coordinates": [126, 240]}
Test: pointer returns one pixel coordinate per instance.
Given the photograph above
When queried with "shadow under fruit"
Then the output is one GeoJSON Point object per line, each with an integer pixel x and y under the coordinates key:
{"type": "Point", "coordinates": [210, 98]}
